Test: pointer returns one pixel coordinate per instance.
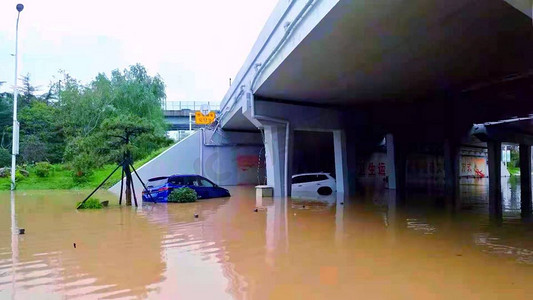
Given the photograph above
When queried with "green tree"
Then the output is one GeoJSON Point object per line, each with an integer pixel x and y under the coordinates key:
{"type": "Point", "coordinates": [41, 133]}
{"type": "Point", "coordinates": [6, 119]}
{"type": "Point", "coordinates": [93, 116]}
{"type": "Point", "coordinates": [5, 158]}
{"type": "Point", "coordinates": [136, 93]}
{"type": "Point", "coordinates": [121, 132]}
{"type": "Point", "coordinates": [79, 124]}
{"type": "Point", "coordinates": [27, 92]}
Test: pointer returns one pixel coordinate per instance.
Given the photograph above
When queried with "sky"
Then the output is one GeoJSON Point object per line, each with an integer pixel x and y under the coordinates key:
{"type": "Point", "coordinates": [195, 45]}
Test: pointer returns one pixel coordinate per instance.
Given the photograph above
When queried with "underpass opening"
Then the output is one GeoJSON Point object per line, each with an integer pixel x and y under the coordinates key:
{"type": "Point", "coordinates": [314, 160]}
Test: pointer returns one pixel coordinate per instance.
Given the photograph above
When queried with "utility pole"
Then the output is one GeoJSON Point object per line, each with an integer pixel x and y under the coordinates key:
{"type": "Point", "coordinates": [15, 146]}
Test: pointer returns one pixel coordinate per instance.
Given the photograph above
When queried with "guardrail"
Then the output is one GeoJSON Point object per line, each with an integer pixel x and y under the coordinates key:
{"type": "Point", "coordinates": [191, 105]}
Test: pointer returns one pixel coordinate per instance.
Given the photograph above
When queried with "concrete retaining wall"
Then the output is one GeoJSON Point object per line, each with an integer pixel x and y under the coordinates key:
{"type": "Point", "coordinates": [223, 162]}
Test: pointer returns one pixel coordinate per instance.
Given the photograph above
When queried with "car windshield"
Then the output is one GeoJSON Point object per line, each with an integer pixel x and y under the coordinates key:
{"type": "Point", "coordinates": [205, 182]}
{"type": "Point", "coordinates": [156, 182]}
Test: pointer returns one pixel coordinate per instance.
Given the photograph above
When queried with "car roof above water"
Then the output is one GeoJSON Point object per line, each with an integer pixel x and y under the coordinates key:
{"type": "Point", "coordinates": [173, 176]}
{"type": "Point", "coordinates": [316, 173]}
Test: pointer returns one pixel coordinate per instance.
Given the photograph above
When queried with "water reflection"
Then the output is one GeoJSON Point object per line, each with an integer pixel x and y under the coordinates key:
{"type": "Point", "coordinates": [474, 195]}
{"type": "Point", "coordinates": [304, 247]}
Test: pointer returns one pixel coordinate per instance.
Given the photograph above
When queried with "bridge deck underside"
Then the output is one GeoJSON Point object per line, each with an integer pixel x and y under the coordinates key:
{"type": "Point", "coordinates": [378, 51]}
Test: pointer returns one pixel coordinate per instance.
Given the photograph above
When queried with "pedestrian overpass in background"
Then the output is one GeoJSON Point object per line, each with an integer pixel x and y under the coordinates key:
{"type": "Point", "coordinates": [179, 115]}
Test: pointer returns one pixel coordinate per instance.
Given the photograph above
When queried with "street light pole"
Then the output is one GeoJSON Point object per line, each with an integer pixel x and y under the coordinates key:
{"type": "Point", "coordinates": [15, 146]}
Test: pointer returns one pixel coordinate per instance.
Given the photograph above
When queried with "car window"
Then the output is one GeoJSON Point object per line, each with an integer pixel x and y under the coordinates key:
{"type": "Point", "coordinates": [322, 177]}
{"type": "Point", "coordinates": [190, 180]}
{"type": "Point", "coordinates": [298, 179]}
{"type": "Point", "coordinates": [177, 180]}
{"type": "Point", "coordinates": [312, 178]}
{"type": "Point", "coordinates": [156, 182]}
{"type": "Point", "coordinates": [306, 178]}
{"type": "Point", "coordinates": [204, 182]}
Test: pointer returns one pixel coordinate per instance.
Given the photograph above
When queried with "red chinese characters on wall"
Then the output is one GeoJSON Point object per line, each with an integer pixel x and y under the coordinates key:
{"type": "Point", "coordinates": [381, 169]}
{"type": "Point", "coordinates": [371, 169]}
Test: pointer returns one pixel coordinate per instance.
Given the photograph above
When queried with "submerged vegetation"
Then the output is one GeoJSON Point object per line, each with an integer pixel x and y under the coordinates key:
{"type": "Point", "coordinates": [67, 135]}
{"type": "Point", "coordinates": [91, 203]}
{"type": "Point", "coordinates": [183, 195]}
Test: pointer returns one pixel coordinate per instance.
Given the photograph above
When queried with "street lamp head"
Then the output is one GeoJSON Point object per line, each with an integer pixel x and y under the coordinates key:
{"type": "Point", "coordinates": [20, 7]}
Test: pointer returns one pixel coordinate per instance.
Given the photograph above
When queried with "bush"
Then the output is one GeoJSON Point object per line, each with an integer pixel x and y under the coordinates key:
{"type": "Point", "coordinates": [182, 195]}
{"type": "Point", "coordinates": [91, 203]}
{"type": "Point", "coordinates": [82, 166]}
{"type": "Point", "coordinates": [42, 169]}
{"type": "Point", "coordinates": [19, 175]}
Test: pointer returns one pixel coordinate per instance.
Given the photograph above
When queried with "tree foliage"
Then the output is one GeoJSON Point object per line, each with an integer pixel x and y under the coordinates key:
{"type": "Point", "coordinates": [79, 124]}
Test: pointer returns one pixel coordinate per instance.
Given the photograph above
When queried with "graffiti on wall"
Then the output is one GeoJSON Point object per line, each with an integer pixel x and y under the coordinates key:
{"type": "Point", "coordinates": [245, 162]}
{"type": "Point", "coordinates": [473, 167]}
{"type": "Point", "coordinates": [419, 168]}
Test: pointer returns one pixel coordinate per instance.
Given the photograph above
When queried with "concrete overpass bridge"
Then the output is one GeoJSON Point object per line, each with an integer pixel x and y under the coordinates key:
{"type": "Point", "coordinates": [418, 73]}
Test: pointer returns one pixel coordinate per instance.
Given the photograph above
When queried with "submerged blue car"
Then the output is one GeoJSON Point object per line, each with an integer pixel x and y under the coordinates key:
{"type": "Point", "coordinates": [160, 187]}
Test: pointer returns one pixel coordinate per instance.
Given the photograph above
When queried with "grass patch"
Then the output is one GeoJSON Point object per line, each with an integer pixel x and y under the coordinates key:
{"type": "Point", "coordinates": [60, 178]}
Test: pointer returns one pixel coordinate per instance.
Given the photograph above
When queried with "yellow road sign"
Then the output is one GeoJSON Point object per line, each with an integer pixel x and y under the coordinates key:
{"type": "Point", "coordinates": [204, 119]}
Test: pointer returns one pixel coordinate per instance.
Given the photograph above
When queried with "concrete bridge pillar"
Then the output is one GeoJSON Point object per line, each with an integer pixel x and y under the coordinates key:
{"type": "Point", "coordinates": [351, 158]}
{"type": "Point", "coordinates": [451, 168]}
{"type": "Point", "coordinates": [341, 163]}
{"type": "Point", "coordinates": [495, 182]}
{"type": "Point", "coordinates": [525, 181]}
{"type": "Point", "coordinates": [389, 142]}
{"type": "Point", "coordinates": [400, 168]}
{"type": "Point", "coordinates": [278, 156]}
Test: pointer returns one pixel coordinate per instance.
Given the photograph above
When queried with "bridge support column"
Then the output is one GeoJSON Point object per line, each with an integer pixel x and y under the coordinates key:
{"type": "Point", "coordinates": [495, 179]}
{"type": "Point", "coordinates": [351, 159]}
{"type": "Point", "coordinates": [341, 163]}
{"type": "Point", "coordinates": [400, 168]}
{"type": "Point", "coordinates": [391, 168]}
{"type": "Point", "coordinates": [278, 156]}
{"type": "Point", "coordinates": [525, 181]}
{"type": "Point", "coordinates": [451, 169]}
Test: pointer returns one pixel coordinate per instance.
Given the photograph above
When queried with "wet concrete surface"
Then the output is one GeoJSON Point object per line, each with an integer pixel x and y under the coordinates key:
{"type": "Point", "coordinates": [308, 247]}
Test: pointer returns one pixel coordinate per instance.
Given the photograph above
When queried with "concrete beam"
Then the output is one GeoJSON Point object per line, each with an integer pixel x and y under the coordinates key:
{"type": "Point", "coordinates": [525, 181]}
{"type": "Point", "coordinates": [495, 184]}
{"type": "Point", "coordinates": [525, 6]}
{"type": "Point", "coordinates": [491, 132]}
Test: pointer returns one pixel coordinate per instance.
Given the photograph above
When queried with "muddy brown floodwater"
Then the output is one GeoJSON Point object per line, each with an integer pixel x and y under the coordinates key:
{"type": "Point", "coordinates": [367, 247]}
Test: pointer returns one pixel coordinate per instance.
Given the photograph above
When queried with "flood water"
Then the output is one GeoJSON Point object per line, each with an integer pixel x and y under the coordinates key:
{"type": "Point", "coordinates": [369, 247]}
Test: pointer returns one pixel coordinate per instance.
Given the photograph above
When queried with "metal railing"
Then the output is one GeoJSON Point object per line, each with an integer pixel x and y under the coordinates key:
{"type": "Point", "coordinates": [191, 105]}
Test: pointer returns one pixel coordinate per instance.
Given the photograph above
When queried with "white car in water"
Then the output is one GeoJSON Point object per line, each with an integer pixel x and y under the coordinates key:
{"type": "Point", "coordinates": [321, 183]}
